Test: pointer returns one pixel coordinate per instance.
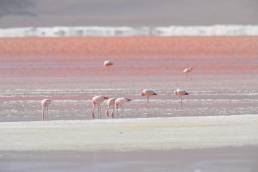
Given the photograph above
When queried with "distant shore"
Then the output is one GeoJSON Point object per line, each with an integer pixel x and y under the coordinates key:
{"type": "Point", "coordinates": [125, 31]}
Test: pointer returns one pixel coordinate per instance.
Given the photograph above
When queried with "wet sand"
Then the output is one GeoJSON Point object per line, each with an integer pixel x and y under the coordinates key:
{"type": "Point", "coordinates": [190, 144]}
{"type": "Point", "coordinates": [230, 159]}
{"type": "Point", "coordinates": [130, 134]}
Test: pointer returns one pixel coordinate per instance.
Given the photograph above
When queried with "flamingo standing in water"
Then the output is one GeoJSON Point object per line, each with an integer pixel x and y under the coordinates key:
{"type": "Point", "coordinates": [187, 70]}
{"type": "Point", "coordinates": [44, 105]}
{"type": "Point", "coordinates": [119, 102]}
{"type": "Point", "coordinates": [148, 93]}
{"type": "Point", "coordinates": [110, 105]}
{"type": "Point", "coordinates": [96, 103]}
{"type": "Point", "coordinates": [179, 92]}
{"type": "Point", "coordinates": [108, 63]}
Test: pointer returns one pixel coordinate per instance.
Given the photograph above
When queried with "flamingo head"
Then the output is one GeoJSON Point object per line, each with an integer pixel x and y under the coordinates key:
{"type": "Point", "coordinates": [48, 101]}
{"type": "Point", "coordinates": [105, 98]}
{"type": "Point", "coordinates": [128, 99]}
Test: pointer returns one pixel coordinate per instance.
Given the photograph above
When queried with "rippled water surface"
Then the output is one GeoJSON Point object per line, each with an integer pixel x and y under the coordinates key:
{"type": "Point", "coordinates": [209, 95]}
{"type": "Point", "coordinates": [70, 71]}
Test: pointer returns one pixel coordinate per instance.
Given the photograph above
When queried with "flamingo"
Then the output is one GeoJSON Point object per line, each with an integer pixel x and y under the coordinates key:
{"type": "Point", "coordinates": [44, 105]}
{"type": "Point", "coordinates": [119, 102]}
{"type": "Point", "coordinates": [179, 92]}
{"type": "Point", "coordinates": [96, 103]}
{"type": "Point", "coordinates": [108, 63]}
{"type": "Point", "coordinates": [110, 104]}
{"type": "Point", "coordinates": [187, 70]}
{"type": "Point", "coordinates": [148, 93]}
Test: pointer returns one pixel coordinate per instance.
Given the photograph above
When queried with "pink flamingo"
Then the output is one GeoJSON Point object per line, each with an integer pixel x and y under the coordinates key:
{"type": "Point", "coordinates": [96, 103]}
{"type": "Point", "coordinates": [179, 92]}
{"type": "Point", "coordinates": [108, 63]}
{"type": "Point", "coordinates": [148, 93]}
{"type": "Point", "coordinates": [110, 105]}
{"type": "Point", "coordinates": [44, 105]}
{"type": "Point", "coordinates": [187, 70]}
{"type": "Point", "coordinates": [119, 102]}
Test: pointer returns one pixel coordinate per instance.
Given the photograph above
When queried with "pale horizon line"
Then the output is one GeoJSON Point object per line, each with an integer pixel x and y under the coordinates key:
{"type": "Point", "coordinates": [124, 31]}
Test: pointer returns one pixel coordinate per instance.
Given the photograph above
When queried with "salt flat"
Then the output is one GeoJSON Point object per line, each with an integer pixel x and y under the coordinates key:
{"type": "Point", "coordinates": [130, 134]}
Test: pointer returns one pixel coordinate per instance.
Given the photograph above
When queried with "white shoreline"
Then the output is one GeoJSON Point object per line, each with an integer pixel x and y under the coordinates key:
{"type": "Point", "coordinates": [130, 134]}
{"type": "Point", "coordinates": [124, 31]}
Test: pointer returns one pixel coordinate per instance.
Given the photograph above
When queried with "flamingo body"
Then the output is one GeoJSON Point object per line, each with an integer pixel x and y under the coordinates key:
{"type": "Point", "coordinates": [188, 70]}
{"type": "Point", "coordinates": [96, 103]}
{"type": "Point", "coordinates": [110, 105]}
{"type": "Point", "coordinates": [148, 93]}
{"type": "Point", "coordinates": [108, 63]}
{"type": "Point", "coordinates": [179, 92]}
{"type": "Point", "coordinates": [44, 105]}
{"type": "Point", "coordinates": [119, 102]}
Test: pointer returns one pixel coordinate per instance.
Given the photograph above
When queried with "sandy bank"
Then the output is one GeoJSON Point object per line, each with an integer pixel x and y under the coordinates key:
{"type": "Point", "coordinates": [130, 134]}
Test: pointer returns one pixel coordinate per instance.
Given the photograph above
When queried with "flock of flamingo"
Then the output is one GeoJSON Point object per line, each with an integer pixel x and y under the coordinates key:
{"type": "Point", "coordinates": [113, 104]}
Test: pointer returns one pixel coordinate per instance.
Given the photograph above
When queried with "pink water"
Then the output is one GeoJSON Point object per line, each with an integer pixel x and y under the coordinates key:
{"type": "Point", "coordinates": [70, 71]}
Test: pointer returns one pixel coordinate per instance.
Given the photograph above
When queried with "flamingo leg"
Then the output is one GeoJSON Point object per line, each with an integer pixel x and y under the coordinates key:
{"type": "Point", "coordinates": [122, 109]}
{"type": "Point", "coordinates": [181, 101]}
{"type": "Point", "coordinates": [43, 113]}
{"type": "Point", "coordinates": [98, 112]}
{"type": "Point", "coordinates": [117, 110]}
{"type": "Point", "coordinates": [113, 112]}
{"type": "Point", "coordinates": [93, 114]}
{"type": "Point", "coordinates": [47, 111]}
{"type": "Point", "coordinates": [100, 109]}
{"type": "Point", "coordinates": [93, 111]}
{"type": "Point", "coordinates": [107, 112]}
